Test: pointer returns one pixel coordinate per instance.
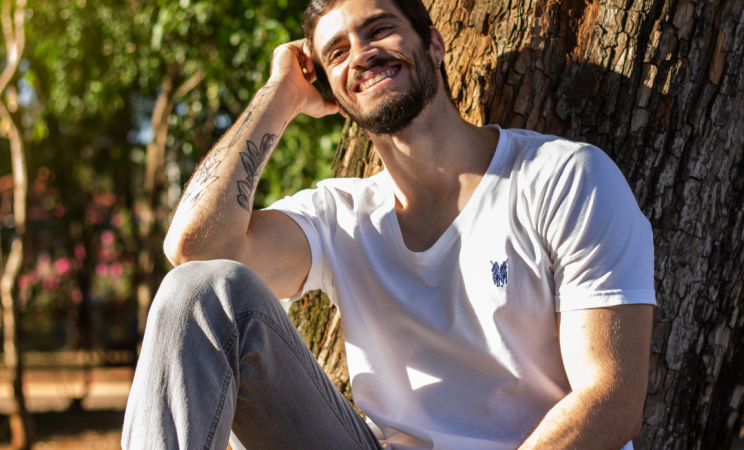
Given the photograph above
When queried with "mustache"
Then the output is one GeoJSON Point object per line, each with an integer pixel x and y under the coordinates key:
{"type": "Point", "coordinates": [358, 74]}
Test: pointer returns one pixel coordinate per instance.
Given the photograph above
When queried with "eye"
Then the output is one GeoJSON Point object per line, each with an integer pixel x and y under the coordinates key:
{"type": "Point", "coordinates": [381, 30]}
{"type": "Point", "coordinates": [336, 54]}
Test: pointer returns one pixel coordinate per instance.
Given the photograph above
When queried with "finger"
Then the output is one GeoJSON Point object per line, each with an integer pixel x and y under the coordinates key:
{"type": "Point", "coordinates": [297, 48]}
{"type": "Point", "coordinates": [308, 56]}
{"type": "Point", "coordinates": [308, 64]}
{"type": "Point", "coordinates": [299, 43]}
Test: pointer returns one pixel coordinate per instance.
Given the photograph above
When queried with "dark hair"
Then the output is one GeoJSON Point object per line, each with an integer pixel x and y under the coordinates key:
{"type": "Point", "coordinates": [413, 10]}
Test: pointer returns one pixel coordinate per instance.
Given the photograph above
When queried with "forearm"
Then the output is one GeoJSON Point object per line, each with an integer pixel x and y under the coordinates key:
{"type": "Point", "coordinates": [587, 420]}
{"type": "Point", "coordinates": [217, 202]}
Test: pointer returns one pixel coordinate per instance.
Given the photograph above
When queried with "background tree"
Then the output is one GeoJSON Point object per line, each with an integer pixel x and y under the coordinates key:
{"type": "Point", "coordinates": [82, 191]}
{"type": "Point", "coordinates": [12, 17]}
{"type": "Point", "coordinates": [96, 70]}
{"type": "Point", "coordinates": [659, 86]}
{"type": "Point", "coordinates": [216, 44]}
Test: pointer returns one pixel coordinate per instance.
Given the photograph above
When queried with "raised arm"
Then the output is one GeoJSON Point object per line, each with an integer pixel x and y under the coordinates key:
{"type": "Point", "coordinates": [605, 352]}
{"type": "Point", "coordinates": [214, 219]}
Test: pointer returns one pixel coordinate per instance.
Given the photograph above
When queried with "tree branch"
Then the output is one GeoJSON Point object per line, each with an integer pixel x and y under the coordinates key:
{"type": "Point", "coordinates": [190, 84]}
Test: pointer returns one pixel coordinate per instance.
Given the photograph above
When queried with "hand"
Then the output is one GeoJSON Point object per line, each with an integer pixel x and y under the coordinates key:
{"type": "Point", "coordinates": [287, 69]}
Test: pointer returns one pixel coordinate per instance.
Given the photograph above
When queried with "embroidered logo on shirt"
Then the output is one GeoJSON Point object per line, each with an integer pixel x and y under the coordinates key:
{"type": "Point", "coordinates": [499, 273]}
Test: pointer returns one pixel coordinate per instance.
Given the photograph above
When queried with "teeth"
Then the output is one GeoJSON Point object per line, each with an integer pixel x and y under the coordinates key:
{"type": "Point", "coordinates": [376, 79]}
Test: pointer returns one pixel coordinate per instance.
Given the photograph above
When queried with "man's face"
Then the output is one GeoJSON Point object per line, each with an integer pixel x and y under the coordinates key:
{"type": "Point", "coordinates": [377, 68]}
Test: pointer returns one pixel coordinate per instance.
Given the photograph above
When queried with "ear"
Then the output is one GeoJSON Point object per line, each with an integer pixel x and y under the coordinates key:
{"type": "Point", "coordinates": [437, 48]}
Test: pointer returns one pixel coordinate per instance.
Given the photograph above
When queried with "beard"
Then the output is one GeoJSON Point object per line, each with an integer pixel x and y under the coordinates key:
{"type": "Point", "coordinates": [395, 111]}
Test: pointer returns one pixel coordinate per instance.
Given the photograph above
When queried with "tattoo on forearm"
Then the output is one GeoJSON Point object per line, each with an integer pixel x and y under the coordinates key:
{"type": "Point", "coordinates": [203, 177]}
{"type": "Point", "coordinates": [259, 101]}
{"type": "Point", "coordinates": [205, 174]}
{"type": "Point", "coordinates": [253, 159]}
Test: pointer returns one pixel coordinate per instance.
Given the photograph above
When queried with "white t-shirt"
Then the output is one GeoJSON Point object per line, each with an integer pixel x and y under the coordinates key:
{"type": "Point", "coordinates": [457, 347]}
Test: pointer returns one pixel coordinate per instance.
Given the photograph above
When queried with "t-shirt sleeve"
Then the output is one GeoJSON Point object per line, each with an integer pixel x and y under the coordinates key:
{"type": "Point", "coordinates": [305, 208]}
{"type": "Point", "coordinates": [600, 244]}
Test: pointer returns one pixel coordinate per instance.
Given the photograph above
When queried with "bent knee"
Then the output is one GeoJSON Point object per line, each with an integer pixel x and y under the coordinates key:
{"type": "Point", "coordinates": [209, 286]}
{"type": "Point", "coordinates": [207, 273]}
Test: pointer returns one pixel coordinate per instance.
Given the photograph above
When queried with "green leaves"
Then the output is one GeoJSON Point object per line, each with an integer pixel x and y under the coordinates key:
{"type": "Point", "coordinates": [93, 71]}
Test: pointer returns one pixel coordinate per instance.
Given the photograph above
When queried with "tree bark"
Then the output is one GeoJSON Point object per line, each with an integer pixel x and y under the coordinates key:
{"type": "Point", "coordinates": [658, 85]}
{"type": "Point", "coordinates": [13, 31]}
{"type": "Point", "coordinates": [150, 239]}
{"type": "Point", "coordinates": [20, 420]}
{"type": "Point", "coordinates": [149, 243]}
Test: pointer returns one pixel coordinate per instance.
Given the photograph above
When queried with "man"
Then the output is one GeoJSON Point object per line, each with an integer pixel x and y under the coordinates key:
{"type": "Point", "coordinates": [495, 286]}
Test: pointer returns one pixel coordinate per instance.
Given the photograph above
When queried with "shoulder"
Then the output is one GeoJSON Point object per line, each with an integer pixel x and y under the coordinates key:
{"type": "Point", "coordinates": [530, 147]}
{"type": "Point", "coordinates": [352, 185]}
{"type": "Point", "coordinates": [543, 158]}
{"type": "Point", "coordinates": [336, 195]}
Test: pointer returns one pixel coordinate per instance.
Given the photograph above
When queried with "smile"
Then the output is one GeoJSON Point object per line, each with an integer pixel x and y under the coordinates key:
{"type": "Point", "coordinates": [387, 73]}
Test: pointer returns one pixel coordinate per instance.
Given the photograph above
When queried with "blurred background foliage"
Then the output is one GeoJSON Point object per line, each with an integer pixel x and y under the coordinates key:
{"type": "Point", "coordinates": [87, 86]}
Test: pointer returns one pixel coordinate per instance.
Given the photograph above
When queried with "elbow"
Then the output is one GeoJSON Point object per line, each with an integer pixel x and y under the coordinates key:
{"type": "Point", "coordinates": [636, 430]}
{"type": "Point", "coordinates": [635, 422]}
{"type": "Point", "coordinates": [179, 248]}
{"type": "Point", "coordinates": [618, 408]}
{"type": "Point", "coordinates": [174, 249]}
{"type": "Point", "coordinates": [628, 428]}
{"type": "Point", "coordinates": [631, 418]}
{"type": "Point", "coordinates": [635, 419]}
{"type": "Point", "coordinates": [182, 246]}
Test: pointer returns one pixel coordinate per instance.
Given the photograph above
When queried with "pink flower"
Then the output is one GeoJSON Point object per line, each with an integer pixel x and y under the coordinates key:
{"type": "Point", "coordinates": [23, 281]}
{"type": "Point", "coordinates": [50, 283]}
{"type": "Point", "coordinates": [116, 269]}
{"type": "Point", "coordinates": [62, 266]}
{"type": "Point", "coordinates": [79, 252]}
{"type": "Point", "coordinates": [101, 270]}
{"type": "Point", "coordinates": [117, 221]}
{"type": "Point", "coordinates": [95, 217]}
{"type": "Point", "coordinates": [44, 266]}
{"type": "Point", "coordinates": [105, 254]}
{"type": "Point", "coordinates": [107, 237]}
{"type": "Point", "coordinates": [34, 277]}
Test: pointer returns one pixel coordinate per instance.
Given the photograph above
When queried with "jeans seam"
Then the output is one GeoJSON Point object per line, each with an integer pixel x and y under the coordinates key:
{"type": "Point", "coordinates": [230, 341]}
{"type": "Point", "coordinates": [275, 326]}
{"type": "Point", "coordinates": [220, 405]}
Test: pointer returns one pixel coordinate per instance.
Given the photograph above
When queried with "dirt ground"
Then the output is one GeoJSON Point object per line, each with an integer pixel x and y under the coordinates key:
{"type": "Point", "coordinates": [73, 409]}
{"type": "Point", "coordinates": [72, 430]}
{"type": "Point", "coordinates": [89, 440]}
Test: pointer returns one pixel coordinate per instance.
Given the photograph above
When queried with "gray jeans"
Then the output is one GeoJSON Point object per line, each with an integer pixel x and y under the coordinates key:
{"type": "Point", "coordinates": [222, 361]}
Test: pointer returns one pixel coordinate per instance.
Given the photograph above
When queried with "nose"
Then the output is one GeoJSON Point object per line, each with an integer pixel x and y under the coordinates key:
{"type": "Point", "coordinates": [362, 53]}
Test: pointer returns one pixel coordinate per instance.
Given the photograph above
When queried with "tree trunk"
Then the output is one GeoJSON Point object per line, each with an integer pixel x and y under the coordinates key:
{"type": "Point", "coordinates": [21, 426]}
{"type": "Point", "coordinates": [20, 420]}
{"type": "Point", "coordinates": [658, 85]}
{"type": "Point", "coordinates": [150, 240]}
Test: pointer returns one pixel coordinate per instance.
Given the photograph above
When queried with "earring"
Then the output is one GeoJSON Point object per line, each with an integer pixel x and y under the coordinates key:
{"type": "Point", "coordinates": [440, 64]}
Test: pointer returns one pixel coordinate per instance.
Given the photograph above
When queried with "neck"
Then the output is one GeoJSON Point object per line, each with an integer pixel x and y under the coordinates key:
{"type": "Point", "coordinates": [439, 153]}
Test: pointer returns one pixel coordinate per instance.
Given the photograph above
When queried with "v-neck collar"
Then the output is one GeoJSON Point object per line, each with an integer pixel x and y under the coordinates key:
{"type": "Point", "coordinates": [453, 230]}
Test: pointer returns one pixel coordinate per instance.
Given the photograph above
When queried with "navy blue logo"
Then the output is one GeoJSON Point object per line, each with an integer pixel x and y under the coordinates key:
{"type": "Point", "coordinates": [499, 273]}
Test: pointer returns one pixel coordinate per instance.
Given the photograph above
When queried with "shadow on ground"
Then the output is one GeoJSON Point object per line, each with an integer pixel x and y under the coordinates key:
{"type": "Point", "coordinates": [63, 423]}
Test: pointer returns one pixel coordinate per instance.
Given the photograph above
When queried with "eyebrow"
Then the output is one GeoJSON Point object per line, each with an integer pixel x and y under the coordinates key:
{"type": "Point", "coordinates": [362, 24]}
